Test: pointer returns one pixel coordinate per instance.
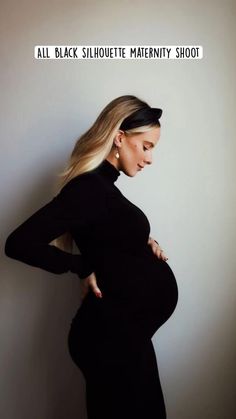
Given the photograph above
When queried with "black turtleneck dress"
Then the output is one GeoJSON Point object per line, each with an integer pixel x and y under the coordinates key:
{"type": "Point", "coordinates": [110, 337]}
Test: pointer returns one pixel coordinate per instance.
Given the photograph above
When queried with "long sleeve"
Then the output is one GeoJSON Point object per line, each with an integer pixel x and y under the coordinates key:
{"type": "Point", "coordinates": [29, 242]}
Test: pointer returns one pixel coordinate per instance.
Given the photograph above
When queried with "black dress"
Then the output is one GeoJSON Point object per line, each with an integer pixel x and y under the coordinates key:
{"type": "Point", "coordinates": [110, 337]}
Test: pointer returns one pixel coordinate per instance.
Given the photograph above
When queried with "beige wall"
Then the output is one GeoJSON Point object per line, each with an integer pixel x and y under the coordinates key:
{"type": "Point", "coordinates": [188, 193]}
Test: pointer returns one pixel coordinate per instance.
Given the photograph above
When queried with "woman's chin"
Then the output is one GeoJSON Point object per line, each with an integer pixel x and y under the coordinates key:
{"type": "Point", "coordinates": [130, 172]}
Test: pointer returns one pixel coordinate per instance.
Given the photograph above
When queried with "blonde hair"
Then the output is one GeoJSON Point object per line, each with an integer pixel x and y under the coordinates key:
{"type": "Point", "coordinates": [95, 144]}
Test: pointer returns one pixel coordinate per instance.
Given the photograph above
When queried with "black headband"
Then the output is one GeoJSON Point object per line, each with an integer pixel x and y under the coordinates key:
{"type": "Point", "coordinates": [143, 116]}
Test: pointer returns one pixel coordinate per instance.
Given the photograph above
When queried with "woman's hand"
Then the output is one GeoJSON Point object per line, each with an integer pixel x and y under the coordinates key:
{"type": "Point", "coordinates": [90, 282]}
{"type": "Point", "coordinates": [157, 250]}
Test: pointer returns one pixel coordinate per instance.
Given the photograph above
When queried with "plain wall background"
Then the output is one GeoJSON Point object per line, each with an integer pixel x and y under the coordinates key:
{"type": "Point", "coordinates": [188, 193]}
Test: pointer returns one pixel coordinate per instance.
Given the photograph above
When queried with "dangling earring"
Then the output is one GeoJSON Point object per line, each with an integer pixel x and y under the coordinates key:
{"type": "Point", "coordinates": [117, 155]}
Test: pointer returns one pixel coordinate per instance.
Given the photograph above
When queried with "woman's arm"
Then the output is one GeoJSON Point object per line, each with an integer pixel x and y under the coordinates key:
{"type": "Point", "coordinates": [29, 242]}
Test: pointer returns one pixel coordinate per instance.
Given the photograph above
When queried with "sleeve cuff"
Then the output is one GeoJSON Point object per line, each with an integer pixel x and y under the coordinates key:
{"type": "Point", "coordinates": [81, 266]}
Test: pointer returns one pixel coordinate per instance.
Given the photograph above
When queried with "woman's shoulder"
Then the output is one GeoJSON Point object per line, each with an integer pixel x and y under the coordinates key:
{"type": "Point", "coordinates": [86, 183]}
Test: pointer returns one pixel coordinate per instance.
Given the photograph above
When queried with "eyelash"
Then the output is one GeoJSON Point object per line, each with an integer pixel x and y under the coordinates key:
{"type": "Point", "coordinates": [145, 148]}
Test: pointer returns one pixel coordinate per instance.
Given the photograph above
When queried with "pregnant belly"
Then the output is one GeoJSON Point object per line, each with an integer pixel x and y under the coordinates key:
{"type": "Point", "coordinates": [139, 294]}
{"type": "Point", "coordinates": [138, 288]}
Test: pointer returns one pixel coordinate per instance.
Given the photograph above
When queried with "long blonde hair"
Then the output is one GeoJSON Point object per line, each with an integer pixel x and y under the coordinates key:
{"type": "Point", "coordinates": [92, 147]}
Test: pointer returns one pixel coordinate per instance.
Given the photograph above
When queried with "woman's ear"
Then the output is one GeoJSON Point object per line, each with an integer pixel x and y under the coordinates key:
{"type": "Point", "coordinates": [118, 138]}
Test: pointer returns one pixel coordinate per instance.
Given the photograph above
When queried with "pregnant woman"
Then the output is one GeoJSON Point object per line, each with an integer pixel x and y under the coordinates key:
{"type": "Point", "coordinates": [128, 288]}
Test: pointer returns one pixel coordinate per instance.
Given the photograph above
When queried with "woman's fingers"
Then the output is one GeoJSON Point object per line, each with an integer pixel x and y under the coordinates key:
{"type": "Point", "coordinates": [95, 289]}
{"type": "Point", "coordinates": [90, 282]}
{"type": "Point", "coordinates": [156, 248]}
{"type": "Point", "coordinates": [163, 256]}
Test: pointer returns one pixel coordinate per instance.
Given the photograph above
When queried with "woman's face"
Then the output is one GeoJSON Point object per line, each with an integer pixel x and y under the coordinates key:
{"type": "Point", "coordinates": [136, 150]}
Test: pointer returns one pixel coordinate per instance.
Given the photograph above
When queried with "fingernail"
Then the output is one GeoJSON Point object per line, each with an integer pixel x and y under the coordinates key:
{"type": "Point", "coordinates": [98, 294]}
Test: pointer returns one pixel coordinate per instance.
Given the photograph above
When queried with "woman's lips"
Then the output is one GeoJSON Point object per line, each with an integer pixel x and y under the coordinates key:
{"type": "Point", "coordinates": [140, 167]}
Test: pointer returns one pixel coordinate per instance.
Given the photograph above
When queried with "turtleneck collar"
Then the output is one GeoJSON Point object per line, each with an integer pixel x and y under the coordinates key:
{"type": "Point", "coordinates": [108, 170]}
